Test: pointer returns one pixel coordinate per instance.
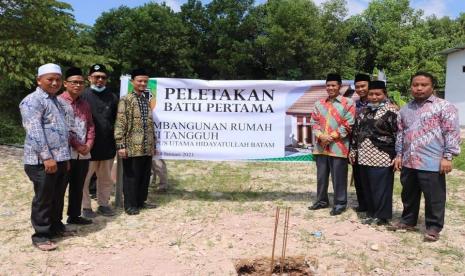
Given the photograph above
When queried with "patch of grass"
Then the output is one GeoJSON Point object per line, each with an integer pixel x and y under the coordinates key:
{"type": "Point", "coordinates": [305, 236]}
{"type": "Point", "coordinates": [210, 243]}
{"type": "Point", "coordinates": [397, 185]}
{"type": "Point", "coordinates": [459, 161]}
{"type": "Point", "coordinates": [362, 260]}
{"type": "Point", "coordinates": [456, 206]}
{"type": "Point", "coordinates": [452, 251]}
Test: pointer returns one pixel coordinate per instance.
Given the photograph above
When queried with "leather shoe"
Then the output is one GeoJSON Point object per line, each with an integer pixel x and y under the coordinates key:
{"type": "Point", "coordinates": [317, 206]}
{"type": "Point", "coordinates": [78, 220]}
{"type": "Point", "coordinates": [132, 211]}
{"type": "Point", "coordinates": [336, 211]}
{"type": "Point", "coordinates": [148, 206]}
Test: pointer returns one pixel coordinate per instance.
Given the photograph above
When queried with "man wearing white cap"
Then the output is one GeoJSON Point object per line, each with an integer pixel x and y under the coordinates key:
{"type": "Point", "coordinates": [46, 155]}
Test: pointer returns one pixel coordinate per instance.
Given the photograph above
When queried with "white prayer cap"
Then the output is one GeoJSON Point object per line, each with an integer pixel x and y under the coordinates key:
{"type": "Point", "coordinates": [48, 68]}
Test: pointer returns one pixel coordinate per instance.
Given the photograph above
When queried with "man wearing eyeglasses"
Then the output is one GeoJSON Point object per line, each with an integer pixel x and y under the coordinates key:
{"type": "Point", "coordinates": [104, 105]}
{"type": "Point", "coordinates": [81, 142]}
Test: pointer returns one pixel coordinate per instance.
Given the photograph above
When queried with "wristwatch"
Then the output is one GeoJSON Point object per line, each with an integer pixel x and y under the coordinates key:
{"type": "Point", "coordinates": [447, 156]}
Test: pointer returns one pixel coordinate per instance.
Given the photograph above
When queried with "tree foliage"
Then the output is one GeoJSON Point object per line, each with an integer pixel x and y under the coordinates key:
{"type": "Point", "coordinates": [37, 32]}
{"type": "Point", "coordinates": [226, 39]}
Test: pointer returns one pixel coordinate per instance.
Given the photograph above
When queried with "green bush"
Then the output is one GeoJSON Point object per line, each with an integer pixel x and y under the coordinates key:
{"type": "Point", "coordinates": [11, 130]}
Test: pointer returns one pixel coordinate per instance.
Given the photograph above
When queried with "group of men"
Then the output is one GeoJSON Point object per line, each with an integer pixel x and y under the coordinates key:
{"type": "Point", "coordinates": [71, 137]}
{"type": "Point", "coordinates": [75, 135]}
{"type": "Point", "coordinates": [427, 138]}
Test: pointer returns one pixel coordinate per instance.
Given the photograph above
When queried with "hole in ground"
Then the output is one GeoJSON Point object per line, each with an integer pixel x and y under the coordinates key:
{"type": "Point", "coordinates": [297, 265]}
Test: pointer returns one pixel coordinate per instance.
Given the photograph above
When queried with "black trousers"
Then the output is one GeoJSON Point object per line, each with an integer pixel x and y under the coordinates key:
{"type": "Point", "coordinates": [378, 183]}
{"type": "Point", "coordinates": [337, 167]}
{"type": "Point", "coordinates": [77, 176]}
{"type": "Point", "coordinates": [136, 178]}
{"type": "Point", "coordinates": [47, 204]}
{"type": "Point", "coordinates": [433, 186]}
{"type": "Point", "coordinates": [359, 190]}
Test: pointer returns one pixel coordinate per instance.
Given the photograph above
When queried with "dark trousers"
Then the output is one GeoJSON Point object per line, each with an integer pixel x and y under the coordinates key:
{"type": "Point", "coordinates": [359, 190]}
{"type": "Point", "coordinates": [77, 176]}
{"type": "Point", "coordinates": [337, 167]}
{"type": "Point", "coordinates": [378, 183]}
{"type": "Point", "coordinates": [47, 204]}
{"type": "Point", "coordinates": [136, 178]}
{"type": "Point", "coordinates": [433, 186]}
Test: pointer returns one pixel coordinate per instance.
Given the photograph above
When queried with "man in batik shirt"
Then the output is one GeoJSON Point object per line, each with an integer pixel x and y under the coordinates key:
{"type": "Point", "coordinates": [331, 124]}
{"type": "Point", "coordinates": [361, 83]}
{"type": "Point", "coordinates": [46, 155]}
{"type": "Point", "coordinates": [81, 142]}
{"type": "Point", "coordinates": [135, 141]}
{"type": "Point", "coordinates": [427, 139]}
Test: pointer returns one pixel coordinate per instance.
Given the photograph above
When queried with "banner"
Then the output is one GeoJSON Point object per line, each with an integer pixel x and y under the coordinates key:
{"type": "Point", "coordinates": [232, 120]}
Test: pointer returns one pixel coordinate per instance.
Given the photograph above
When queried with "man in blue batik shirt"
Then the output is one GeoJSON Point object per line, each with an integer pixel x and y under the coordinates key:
{"type": "Point", "coordinates": [46, 155]}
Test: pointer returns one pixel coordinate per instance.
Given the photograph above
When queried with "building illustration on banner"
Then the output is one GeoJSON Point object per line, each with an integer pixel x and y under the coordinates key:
{"type": "Point", "coordinates": [299, 113]}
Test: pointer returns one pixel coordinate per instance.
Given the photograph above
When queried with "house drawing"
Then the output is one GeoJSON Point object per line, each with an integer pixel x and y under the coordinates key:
{"type": "Point", "coordinates": [299, 113]}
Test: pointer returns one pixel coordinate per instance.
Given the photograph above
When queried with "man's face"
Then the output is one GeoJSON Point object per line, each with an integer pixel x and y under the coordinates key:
{"type": "Point", "coordinates": [50, 83]}
{"type": "Point", "coordinates": [422, 88]}
{"type": "Point", "coordinates": [376, 96]}
{"type": "Point", "coordinates": [361, 88]}
{"type": "Point", "coordinates": [98, 79]}
{"type": "Point", "coordinates": [332, 88]}
{"type": "Point", "coordinates": [140, 83]}
{"type": "Point", "coordinates": [74, 85]}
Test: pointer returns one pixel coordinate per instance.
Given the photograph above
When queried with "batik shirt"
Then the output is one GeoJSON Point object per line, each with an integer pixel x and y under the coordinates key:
{"type": "Point", "coordinates": [335, 117]}
{"type": "Point", "coordinates": [134, 126]}
{"type": "Point", "coordinates": [83, 125]}
{"type": "Point", "coordinates": [47, 128]}
{"type": "Point", "coordinates": [428, 131]}
{"type": "Point", "coordinates": [374, 135]}
{"type": "Point", "coordinates": [360, 105]}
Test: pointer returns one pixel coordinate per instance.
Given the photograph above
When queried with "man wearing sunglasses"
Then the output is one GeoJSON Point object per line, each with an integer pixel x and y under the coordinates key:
{"type": "Point", "coordinates": [104, 104]}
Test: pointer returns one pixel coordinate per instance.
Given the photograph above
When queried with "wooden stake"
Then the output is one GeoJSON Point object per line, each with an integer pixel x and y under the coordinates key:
{"type": "Point", "coordinates": [276, 221]}
{"type": "Point", "coordinates": [285, 232]}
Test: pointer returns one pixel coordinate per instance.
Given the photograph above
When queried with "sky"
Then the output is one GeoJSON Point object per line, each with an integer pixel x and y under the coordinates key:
{"type": "Point", "coordinates": [87, 11]}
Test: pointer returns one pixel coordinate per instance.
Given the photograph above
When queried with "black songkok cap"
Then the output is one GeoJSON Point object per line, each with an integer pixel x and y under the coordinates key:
{"type": "Point", "coordinates": [377, 84]}
{"type": "Point", "coordinates": [73, 71]}
{"type": "Point", "coordinates": [138, 72]}
{"type": "Point", "coordinates": [333, 77]}
{"type": "Point", "coordinates": [97, 68]}
{"type": "Point", "coordinates": [362, 77]}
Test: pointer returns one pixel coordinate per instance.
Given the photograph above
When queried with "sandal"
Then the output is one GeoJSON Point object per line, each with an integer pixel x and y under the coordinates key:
{"type": "Point", "coordinates": [401, 226]}
{"type": "Point", "coordinates": [431, 235]}
{"type": "Point", "coordinates": [46, 245]}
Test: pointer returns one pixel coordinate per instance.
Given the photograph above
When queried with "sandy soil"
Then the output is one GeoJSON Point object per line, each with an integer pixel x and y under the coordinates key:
{"type": "Point", "coordinates": [203, 229]}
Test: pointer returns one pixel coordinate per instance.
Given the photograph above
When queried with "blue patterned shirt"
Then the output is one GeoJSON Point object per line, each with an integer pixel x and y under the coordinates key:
{"type": "Point", "coordinates": [427, 132]}
{"type": "Point", "coordinates": [47, 123]}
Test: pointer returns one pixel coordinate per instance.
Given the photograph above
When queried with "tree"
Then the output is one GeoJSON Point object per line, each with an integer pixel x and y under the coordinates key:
{"type": "Point", "coordinates": [150, 36]}
{"type": "Point", "coordinates": [222, 36]}
{"type": "Point", "coordinates": [37, 32]}
{"type": "Point", "coordinates": [292, 40]}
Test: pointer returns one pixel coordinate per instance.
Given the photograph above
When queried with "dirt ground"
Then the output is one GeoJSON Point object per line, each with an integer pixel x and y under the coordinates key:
{"type": "Point", "coordinates": [216, 213]}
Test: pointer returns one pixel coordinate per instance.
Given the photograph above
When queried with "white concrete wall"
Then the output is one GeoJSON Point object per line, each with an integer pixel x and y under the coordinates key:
{"type": "Point", "coordinates": [455, 82]}
{"type": "Point", "coordinates": [291, 130]}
